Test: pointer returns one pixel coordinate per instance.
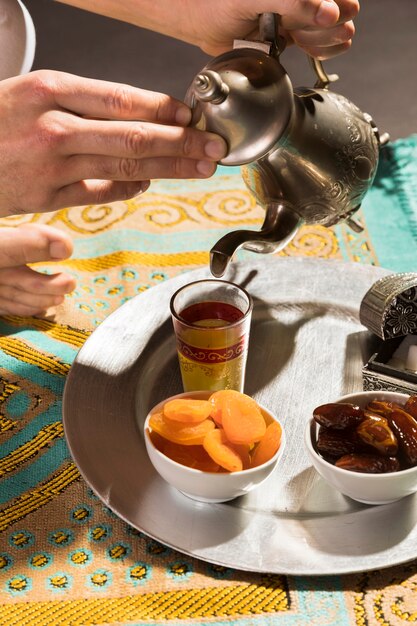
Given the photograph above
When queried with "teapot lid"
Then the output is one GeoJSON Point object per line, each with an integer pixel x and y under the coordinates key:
{"type": "Point", "coordinates": [245, 96]}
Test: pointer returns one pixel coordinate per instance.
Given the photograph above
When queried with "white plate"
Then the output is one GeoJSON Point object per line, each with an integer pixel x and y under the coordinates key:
{"type": "Point", "coordinates": [307, 347]}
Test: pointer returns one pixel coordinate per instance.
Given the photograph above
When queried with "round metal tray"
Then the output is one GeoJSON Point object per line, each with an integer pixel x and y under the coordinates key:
{"type": "Point", "coordinates": [307, 347]}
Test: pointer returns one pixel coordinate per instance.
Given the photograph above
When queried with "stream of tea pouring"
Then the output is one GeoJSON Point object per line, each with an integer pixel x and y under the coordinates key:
{"type": "Point", "coordinates": [308, 155]}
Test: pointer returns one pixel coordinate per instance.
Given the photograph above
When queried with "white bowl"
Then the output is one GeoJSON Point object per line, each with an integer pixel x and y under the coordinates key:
{"type": "Point", "coordinates": [366, 488]}
{"type": "Point", "coordinates": [208, 486]}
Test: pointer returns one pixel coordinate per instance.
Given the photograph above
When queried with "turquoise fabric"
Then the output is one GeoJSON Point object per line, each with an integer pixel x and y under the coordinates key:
{"type": "Point", "coordinates": [390, 207]}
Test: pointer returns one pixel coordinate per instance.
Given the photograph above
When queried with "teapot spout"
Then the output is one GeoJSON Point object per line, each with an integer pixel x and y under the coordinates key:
{"type": "Point", "coordinates": [279, 227]}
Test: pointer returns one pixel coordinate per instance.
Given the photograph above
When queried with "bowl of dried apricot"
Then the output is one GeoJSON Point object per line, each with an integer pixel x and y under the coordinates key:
{"type": "Point", "coordinates": [365, 445]}
{"type": "Point", "coordinates": [213, 446]}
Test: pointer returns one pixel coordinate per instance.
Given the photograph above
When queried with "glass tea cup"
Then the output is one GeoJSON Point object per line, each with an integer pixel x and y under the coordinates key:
{"type": "Point", "coordinates": [211, 321]}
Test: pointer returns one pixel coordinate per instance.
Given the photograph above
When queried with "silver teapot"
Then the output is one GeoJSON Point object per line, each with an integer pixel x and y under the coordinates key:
{"type": "Point", "coordinates": [308, 155]}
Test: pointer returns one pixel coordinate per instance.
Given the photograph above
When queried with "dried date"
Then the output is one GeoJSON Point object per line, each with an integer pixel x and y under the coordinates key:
{"type": "Point", "coordinates": [368, 463]}
{"type": "Point", "coordinates": [382, 408]}
{"type": "Point", "coordinates": [405, 428]}
{"type": "Point", "coordinates": [379, 438]}
{"type": "Point", "coordinates": [336, 443]}
{"type": "Point", "coordinates": [371, 414]}
{"type": "Point", "coordinates": [375, 431]}
{"type": "Point", "coordinates": [411, 406]}
{"type": "Point", "coordinates": [338, 416]}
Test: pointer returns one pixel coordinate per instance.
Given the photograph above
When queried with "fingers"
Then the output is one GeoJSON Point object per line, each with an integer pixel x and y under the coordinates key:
{"type": "Point", "coordinates": [103, 162]}
{"type": "Point", "coordinates": [96, 192]}
{"type": "Point", "coordinates": [11, 307]}
{"type": "Point", "coordinates": [24, 291]}
{"type": "Point", "coordinates": [297, 14]}
{"type": "Point", "coordinates": [31, 243]}
{"type": "Point", "coordinates": [323, 53]}
{"type": "Point", "coordinates": [335, 36]}
{"type": "Point", "coordinates": [322, 28]}
{"type": "Point", "coordinates": [316, 44]}
{"type": "Point", "coordinates": [348, 10]}
{"type": "Point", "coordinates": [29, 284]}
{"type": "Point", "coordinates": [139, 152]}
{"type": "Point", "coordinates": [54, 151]}
{"type": "Point", "coordinates": [138, 139]}
{"type": "Point", "coordinates": [115, 169]}
{"type": "Point", "coordinates": [106, 191]}
{"type": "Point", "coordinates": [102, 99]}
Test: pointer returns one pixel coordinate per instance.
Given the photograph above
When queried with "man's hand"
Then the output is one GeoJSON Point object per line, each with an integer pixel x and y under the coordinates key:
{"type": "Point", "coordinates": [66, 140]}
{"type": "Point", "coordinates": [23, 291]}
{"type": "Point", "coordinates": [322, 28]}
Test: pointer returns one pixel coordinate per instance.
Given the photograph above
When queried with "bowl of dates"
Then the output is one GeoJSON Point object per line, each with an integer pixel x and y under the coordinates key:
{"type": "Point", "coordinates": [365, 445]}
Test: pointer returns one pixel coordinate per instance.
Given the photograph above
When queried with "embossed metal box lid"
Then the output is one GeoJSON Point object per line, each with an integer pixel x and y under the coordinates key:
{"type": "Point", "coordinates": [389, 310]}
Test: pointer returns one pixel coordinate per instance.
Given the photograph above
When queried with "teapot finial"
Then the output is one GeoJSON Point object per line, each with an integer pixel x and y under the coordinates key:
{"type": "Point", "coordinates": [209, 87]}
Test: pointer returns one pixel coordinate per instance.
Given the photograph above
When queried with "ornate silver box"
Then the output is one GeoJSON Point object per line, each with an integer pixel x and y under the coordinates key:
{"type": "Point", "coordinates": [389, 310]}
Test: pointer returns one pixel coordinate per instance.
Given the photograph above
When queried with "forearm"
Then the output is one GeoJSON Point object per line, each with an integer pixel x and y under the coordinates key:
{"type": "Point", "coordinates": [323, 28]}
{"type": "Point", "coordinates": [169, 17]}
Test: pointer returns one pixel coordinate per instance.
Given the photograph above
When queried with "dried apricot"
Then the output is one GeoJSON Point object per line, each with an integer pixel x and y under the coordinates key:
{"type": "Point", "coordinates": [186, 434]}
{"type": "Point", "coordinates": [242, 420]}
{"type": "Point", "coordinates": [222, 451]}
{"type": "Point", "coordinates": [158, 441]}
{"type": "Point", "coordinates": [191, 456]}
{"type": "Point", "coordinates": [218, 401]}
{"type": "Point", "coordinates": [215, 435]}
{"type": "Point", "coordinates": [187, 410]}
{"type": "Point", "coordinates": [243, 451]}
{"type": "Point", "coordinates": [268, 445]}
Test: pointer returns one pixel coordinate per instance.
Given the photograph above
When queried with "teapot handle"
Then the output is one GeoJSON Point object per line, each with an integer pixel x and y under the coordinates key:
{"type": "Point", "coordinates": [323, 79]}
{"type": "Point", "coordinates": [269, 34]}
{"type": "Point", "coordinates": [270, 41]}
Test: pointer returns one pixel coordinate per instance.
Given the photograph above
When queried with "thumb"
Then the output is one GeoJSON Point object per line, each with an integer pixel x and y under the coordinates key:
{"type": "Point", "coordinates": [300, 14]}
{"type": "Point", "coordinates": [32, 243]}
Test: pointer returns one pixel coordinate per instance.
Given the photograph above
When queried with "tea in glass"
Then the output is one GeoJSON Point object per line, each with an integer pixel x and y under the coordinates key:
{"type": "Point", "coordinates": [211, 320]}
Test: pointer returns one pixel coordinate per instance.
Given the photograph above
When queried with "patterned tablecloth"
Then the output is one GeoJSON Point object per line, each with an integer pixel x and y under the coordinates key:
{"type": "Point", "coordinates": [65, 558]}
